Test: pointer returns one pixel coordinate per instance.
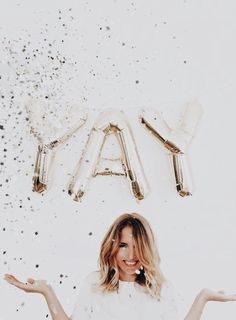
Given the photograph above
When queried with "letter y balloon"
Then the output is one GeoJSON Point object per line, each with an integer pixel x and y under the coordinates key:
{"type": "Point", "coordinates": [52, 125]}
{"type": "Point", "coordinates": [176, 141]}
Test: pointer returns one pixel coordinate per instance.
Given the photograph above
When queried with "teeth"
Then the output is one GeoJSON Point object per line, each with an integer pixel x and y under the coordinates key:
{"type": "Point", "coordinates": [130, 263]}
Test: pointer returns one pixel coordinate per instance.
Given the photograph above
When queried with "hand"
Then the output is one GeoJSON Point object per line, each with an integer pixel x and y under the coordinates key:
{"type": "Point", "coordinates": [34, 286]}
{"type": "Point", "coordinates": [210, 295]}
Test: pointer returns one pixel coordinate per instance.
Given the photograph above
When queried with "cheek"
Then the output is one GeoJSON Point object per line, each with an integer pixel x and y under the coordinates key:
{"type": "Point", "coordinates": [121, 254]}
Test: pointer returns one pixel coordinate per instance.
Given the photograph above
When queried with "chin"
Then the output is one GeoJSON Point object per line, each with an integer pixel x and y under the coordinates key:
{"type": "Point", "coordinates": [131, 273]}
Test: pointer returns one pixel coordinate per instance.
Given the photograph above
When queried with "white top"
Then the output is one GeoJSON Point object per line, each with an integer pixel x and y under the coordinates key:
{"type": "Point", "coordinates": [131, 302]}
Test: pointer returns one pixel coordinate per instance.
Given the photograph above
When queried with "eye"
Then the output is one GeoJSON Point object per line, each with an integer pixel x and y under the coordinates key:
{"type": "Point", "coordinates": [123, 245]}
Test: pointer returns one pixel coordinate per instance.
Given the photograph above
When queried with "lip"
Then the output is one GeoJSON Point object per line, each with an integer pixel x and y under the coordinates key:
{"type": "Point", "coordinates": [130, 263]}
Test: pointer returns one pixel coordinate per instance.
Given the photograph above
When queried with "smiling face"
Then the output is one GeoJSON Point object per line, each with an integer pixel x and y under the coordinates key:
{"type": "Point", "coordinates": [126, 258]}
{"type": "Point", "coordinates": [129, 246]}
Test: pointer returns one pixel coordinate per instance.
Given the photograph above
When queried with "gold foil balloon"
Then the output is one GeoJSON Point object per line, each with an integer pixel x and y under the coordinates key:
{"type": "Point", "coordinates": [52, 126]}
{"type": "Point", "coordinates": [176, 141]}
{"type": "Point", "coordinates": [92, 164]}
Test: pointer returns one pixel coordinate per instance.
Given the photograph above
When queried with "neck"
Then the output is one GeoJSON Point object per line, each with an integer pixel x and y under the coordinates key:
{"type": "Point", "coordinates": [127, 277]}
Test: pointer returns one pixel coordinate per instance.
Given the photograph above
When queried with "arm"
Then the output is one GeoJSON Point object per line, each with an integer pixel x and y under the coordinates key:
{"type": "Point", "coordinates": [41, 286]}
{"type": "Point", "coordinates": [197, 307]}
{"type": "Point", "coordinates": [202, 298]}
{"type": "Point", "coordinates": [54, 306]}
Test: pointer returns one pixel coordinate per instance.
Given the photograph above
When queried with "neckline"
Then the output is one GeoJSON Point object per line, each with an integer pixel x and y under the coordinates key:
{"type": "Point", "coordinates": [127, 284]}
{"type": "Point", "coordinates": [126, 281]}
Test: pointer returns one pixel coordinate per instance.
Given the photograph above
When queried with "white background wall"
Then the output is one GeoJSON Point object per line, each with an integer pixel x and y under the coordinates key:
{"type": "Point", "coordinates": [129, 55]}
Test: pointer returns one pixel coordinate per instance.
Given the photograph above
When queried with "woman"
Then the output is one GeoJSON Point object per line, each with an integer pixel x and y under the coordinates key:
{"type": "Point", "coordinates": [129, 284]}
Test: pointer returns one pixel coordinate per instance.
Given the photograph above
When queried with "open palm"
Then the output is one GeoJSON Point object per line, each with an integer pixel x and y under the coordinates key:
{"type": "Point", "coordinates": [218, 296]}
{"type": "Point", "coordinates": [35, 286]}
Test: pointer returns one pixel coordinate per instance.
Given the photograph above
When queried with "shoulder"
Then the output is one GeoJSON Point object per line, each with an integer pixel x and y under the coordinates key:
{"type": "Point", "coordinates": [167, 291]}
{"type": "Point", "coordinates": [93, 277]}
{"type": "Point", "coordinates": [91, 281]}
{"type": "Point", "coordinates": [168, 299]}
{"type": "Point", "coordinates": [86, 296]}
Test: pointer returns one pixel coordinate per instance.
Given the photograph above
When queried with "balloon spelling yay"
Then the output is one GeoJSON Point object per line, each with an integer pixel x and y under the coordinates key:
{"type": "Point", "coordinates": [112, 122]}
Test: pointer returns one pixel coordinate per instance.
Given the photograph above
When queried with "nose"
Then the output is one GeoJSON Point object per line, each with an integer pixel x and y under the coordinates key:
{"type": "Point", "coordinates": [131, 253]}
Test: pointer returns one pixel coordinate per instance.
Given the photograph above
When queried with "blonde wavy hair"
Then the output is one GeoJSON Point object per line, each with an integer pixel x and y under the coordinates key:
{"type": "Point", "coordinates": [151, 276]}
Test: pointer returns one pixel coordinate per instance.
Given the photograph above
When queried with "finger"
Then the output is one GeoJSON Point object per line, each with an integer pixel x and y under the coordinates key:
{"type": "Point", "coordinates": [8, 280]}
{"type": "Point", "coordinates": [17, 284]}
{"type": "Point", "coordinates": [21, 285]}
{"type": "Point", "coordinates": [11, 277]}
{"type": "Point", "coordinates": [232, 297]}
{"type": "Point", "coordinates": [225, 298]}
{"type": "Point", "coordinates": [8, 276]}
{"type": "Point", "coordinates": [30, 280]}
{"type": "Point", "coordinates": [221, 292]}
{"type": "Point", "coordinates": [12, 280]}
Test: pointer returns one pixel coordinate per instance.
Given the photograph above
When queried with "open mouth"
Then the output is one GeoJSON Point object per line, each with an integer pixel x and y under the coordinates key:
{"type": "Point", "coordinates": [130, 263]}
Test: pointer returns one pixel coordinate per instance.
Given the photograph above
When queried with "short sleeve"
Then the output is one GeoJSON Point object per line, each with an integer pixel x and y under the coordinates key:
{"type": "Point", "coordinates": [83, 309]}
{"type": "Point", "coordinates": [168, 299]}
